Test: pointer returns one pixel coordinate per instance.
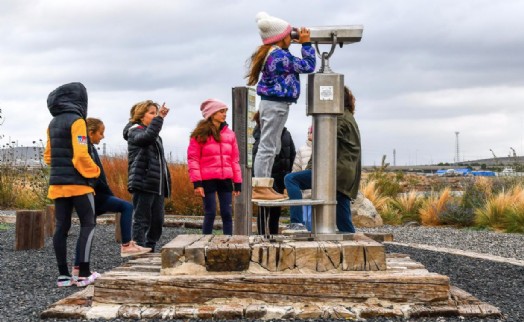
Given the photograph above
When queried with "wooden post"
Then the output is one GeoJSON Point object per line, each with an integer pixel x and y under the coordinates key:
{"type": "Point", "coordinates": [30, 229]}
{"type": "Point", "coordinates": [243, 106]}
{"type": "Point", "coordinates": [118, 230]}
{"type": "Point", "coordinates": [49, 220]}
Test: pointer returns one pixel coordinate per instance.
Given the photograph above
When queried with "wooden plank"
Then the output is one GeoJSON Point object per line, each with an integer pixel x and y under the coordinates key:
{"type": "Point", "coordinates": [306, 255]}
{"type": "Point", "coordinates": [228, 254]}
{"type": "Point", "coordinates": [424, 288]}
{"type": "Point", "coordinates": [328, 256]}
{"type": "Point", "coordinates": [286, 257]}
{"type": "Point", "coordinates": [380, 237]}
{"type": "Point", "coordinates": [196, 251]}
{"type": "Point", "coordinates": [363, 256]}
{"type": "Point", "coordinates": [175, 249]}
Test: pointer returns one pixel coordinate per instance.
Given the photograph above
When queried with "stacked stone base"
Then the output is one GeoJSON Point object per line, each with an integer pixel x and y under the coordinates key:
{"type": "Point", "coordinates": [237, 277]}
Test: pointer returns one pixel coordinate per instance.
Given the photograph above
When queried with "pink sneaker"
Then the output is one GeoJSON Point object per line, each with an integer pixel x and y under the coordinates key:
{"type": "Point", "coordinates": [65, 281]}
{"type": "Point", "coordinates": [132, 249]}
{"type": "Point", "coordinates": [84, 281]}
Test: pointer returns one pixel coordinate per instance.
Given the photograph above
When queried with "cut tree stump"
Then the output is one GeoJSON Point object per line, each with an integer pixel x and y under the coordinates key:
{"type": "Point", "coordinates": [30, 229]}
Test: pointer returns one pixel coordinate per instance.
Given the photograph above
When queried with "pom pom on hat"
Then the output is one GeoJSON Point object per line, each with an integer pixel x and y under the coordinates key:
{"type": "Point", "coordinates": [271, 29]}
{"type": "Point", "coordinates": [211, 106]}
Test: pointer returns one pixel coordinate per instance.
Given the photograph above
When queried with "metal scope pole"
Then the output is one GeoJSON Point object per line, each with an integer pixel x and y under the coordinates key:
{"type": "Point", "coordinates": [325, 102]}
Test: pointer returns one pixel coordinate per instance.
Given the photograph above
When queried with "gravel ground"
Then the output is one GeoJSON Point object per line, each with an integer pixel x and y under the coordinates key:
{"type": "Point", "coordinates": [27, 278]}
{"type": "Point", "coordinates": [486, 242]}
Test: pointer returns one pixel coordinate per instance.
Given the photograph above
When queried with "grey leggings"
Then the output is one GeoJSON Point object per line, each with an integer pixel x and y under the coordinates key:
{"type": "Point", "coordinates": [273, 117]}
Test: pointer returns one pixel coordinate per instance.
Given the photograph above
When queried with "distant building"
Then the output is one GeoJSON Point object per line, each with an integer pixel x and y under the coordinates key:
{"type": "Point", "coordinates": [31, 156]}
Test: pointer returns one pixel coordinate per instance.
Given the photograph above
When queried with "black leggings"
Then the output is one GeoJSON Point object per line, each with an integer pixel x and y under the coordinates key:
{"type": "Point", "coordinates": [85, 208]}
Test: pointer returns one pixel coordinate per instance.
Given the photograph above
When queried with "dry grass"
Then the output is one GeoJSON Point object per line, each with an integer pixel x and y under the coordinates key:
{"type": "Point", "coordinates": [493, 213]}
{"type": "Point", "coordinates": [433, 206]}
{"type": "Point", "coordinates": [371, 191]}
{"type": "Point", "coordinates": [408, 206]}
{"type": "Point", "coordinates": [391, 215]}
{"type": "Point", "coordinates": [182, 200]}
{"type": "Point", "coordinates": [115, 168]}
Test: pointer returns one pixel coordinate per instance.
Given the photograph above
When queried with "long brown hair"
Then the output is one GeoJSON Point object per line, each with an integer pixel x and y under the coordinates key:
{"type": "Point", "coordinates": [256, 63]}
{"type": "Point", "coordinates": [204, 129]}
{"type": "Point", "coordinates": [349, 100]}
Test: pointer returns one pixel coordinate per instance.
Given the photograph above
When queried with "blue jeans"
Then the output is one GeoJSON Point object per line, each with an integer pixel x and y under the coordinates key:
{"type": "Point", "coordinates": [306, 211]}
{"type": "Point", "coordinates": [344, 221]}
{"type": "Point", "coordinates": [225, 199]}
{"type": "Point", "coordinates": [301, 180]}
{"type": "Point", "coordinates": [125, 208]}
{"type": "Point", "coordinates": [296, 182]}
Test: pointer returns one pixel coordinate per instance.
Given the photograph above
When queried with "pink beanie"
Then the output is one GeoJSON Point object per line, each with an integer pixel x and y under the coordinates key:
{"type": "Point", "coordinates": [211, 106]}
{"type": "Point", "coordinates": [271, 29]}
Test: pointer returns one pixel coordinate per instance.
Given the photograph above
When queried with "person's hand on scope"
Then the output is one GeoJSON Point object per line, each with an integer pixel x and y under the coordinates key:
{"type": "Point", "coordinates": [304, 35]}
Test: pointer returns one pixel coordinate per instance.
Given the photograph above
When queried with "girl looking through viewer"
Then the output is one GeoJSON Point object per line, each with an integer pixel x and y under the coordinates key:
{"type": "Point", "coordinates": [278, 87]}
{"type": "Point", "coordinates": [213, 164]}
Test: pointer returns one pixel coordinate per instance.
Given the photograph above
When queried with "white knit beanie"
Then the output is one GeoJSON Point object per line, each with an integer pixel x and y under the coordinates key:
{"type": "Point", "coordinates": [271, 29]}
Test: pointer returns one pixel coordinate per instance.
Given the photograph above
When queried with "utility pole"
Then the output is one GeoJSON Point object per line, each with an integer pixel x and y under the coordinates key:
{"type": "Point", "coordinates": [394, 157]}
{"type": "Point", "coordinates": [457, 154]}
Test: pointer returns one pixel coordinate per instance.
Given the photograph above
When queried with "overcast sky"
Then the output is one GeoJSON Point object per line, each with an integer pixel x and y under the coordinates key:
{"type": "Point", "coordinates": [423, 70]}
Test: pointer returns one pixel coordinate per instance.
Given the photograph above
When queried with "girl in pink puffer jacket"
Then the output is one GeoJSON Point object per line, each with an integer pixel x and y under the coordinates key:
{"type": "Point", "coordinates": [213, 164]}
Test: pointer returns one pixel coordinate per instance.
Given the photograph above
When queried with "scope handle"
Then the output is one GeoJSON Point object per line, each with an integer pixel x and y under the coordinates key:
{"type": "Point", "coordinates": [324, 67]}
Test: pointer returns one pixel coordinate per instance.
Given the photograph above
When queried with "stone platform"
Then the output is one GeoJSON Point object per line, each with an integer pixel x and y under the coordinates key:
{"type": "Point", "coordinates": [234, 277]}
{"type": "Point", "coordinates": [208, 253]}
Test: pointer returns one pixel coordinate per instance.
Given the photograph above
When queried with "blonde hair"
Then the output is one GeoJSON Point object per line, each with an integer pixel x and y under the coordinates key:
{"type": "Point", "coordinates": [140, 109]}
{"type": "Point", "coordinates": [256, 63]}
{"type": "Point", "coordinates": [93, 124]}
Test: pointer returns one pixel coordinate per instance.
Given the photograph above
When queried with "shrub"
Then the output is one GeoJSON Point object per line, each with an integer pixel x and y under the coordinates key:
{"type": "Point", "coordinates": [390, 215]}
{"type": "Point", "coordinates": [22, 186]}
{"type": "Point", "coordinates": [408, 206]}
{"type": "Point", "coordinates": [370, 190]}
{"type": "Point", "coordinates": [476, 192]}
{"type": "Point", "coordinates": [456, 215]}
{"type": "Point", "coordinates": [494, 211]}
{"type": "Point", "coordinates": [433, 206]}
{"type": "Point", "coordinates": [515, 219]}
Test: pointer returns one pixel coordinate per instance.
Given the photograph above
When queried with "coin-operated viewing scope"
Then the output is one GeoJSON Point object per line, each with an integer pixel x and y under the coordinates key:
{"type": "Point", "coordinates": [324, 34]}
{"type": "Point", "coordinates": [331, 35]}
{"type": "Point", "coordinates": [325, 101]}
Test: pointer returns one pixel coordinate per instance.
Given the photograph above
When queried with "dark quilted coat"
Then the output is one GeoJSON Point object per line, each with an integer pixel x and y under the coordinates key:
{"type": "Point", "coordinates": [147, 166]}
{"type": "Point", "coordinates": [67, 104]}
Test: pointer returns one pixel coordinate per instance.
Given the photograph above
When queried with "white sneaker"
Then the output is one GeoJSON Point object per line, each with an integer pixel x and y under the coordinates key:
{"type": "Point", "coordinates": [295, 228]}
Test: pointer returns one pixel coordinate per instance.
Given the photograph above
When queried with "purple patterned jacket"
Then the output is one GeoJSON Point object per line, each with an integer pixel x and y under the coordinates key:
{"type": "Point", "coordinates": [280, 79]}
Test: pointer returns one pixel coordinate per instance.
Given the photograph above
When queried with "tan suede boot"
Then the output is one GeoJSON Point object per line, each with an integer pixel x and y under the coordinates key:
{"type": "Point", "coordinates": [263, 190]}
